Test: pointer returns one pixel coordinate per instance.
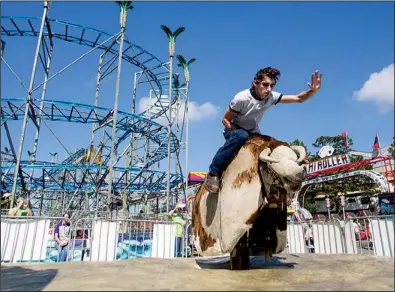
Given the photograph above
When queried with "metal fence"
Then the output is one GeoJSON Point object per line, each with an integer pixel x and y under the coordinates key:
{"type": "Point", "coordinates": [373, 235]}
{"type": "Point", "coordinates": [25, 239]}
{"type": "Point", "coordinates": [32, 240]}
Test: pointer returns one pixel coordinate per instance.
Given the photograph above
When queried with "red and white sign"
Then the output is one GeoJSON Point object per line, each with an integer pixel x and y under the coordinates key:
{"type": "Point", "coordinates": [328, 163]}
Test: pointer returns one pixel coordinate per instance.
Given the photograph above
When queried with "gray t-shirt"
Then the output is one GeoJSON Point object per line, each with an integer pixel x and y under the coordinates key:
{"type": "Point", "coordinates": [250, 110]}
{"type": "Point", "coordinates": [63, 231]}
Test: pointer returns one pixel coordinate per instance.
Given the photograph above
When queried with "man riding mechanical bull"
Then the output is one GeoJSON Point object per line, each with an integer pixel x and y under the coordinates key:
{"type": "Point", "coordinates": [241, 208]}
{"type": "Point", "coordinates": [244, 113]}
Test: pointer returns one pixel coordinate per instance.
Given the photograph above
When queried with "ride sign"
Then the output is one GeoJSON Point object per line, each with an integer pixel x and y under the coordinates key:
{"type": "Point", "coordinates": [328, 163]}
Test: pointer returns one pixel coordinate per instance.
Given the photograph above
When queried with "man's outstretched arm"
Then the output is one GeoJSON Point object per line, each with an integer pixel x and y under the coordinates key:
{"type": "Point", "coordinates": [314, 86]}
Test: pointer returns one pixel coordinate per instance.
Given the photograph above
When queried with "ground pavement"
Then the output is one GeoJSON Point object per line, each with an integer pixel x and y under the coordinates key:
{"type": "Point", "coordinates": [284, 272]}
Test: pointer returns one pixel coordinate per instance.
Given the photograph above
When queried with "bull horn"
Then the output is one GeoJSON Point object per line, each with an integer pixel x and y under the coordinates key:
{"type": "Point", "coordinates": [301, 151]}
{"type": "Point", "coordinates": [264, 156]}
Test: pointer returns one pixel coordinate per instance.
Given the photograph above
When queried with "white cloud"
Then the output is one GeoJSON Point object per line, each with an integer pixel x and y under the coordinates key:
{"type": "Point", "coordinates": [196, 112]}
{"type": "Point", "coordinates": [379, 89]}
{"type": "Point", "coordinates": [205, 111]}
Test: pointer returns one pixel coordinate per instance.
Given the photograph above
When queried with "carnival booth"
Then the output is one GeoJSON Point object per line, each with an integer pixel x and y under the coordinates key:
{"type": "Point", "coordinates": [195, 178]}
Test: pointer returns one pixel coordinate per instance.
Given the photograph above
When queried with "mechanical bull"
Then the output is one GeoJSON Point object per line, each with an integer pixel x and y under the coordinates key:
{"type": "Point", "coordinates": [249, 214]}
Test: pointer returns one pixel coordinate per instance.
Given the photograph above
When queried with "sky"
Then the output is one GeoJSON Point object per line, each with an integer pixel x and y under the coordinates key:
{"type": "Point", "coordinates": [351, 43]}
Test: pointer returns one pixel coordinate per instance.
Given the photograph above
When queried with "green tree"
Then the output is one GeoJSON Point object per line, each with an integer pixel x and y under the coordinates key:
{"type": "Point", "coordinates": [335, 141]}
{"type": "Point", "coordinates": [391, 149]}
{"type": "Point", "coordinates": [298, 142]}
{"type": "Point", "coordinates": [311, 207]}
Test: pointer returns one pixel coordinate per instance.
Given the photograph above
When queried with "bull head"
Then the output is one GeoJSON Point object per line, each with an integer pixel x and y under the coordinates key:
{"type": "Point", "coordinates": [286, 162]}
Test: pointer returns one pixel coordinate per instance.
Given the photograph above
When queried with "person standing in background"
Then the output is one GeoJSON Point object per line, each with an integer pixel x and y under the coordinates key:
{"type": "Point", "coordinates": [62, 237]}
{"type": "Point", "coordinates": [177, 217]}
{"type": "Point", "coordinates": [21, 209]}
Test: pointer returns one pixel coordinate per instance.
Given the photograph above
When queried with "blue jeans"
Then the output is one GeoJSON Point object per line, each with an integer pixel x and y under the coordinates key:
{"type": "Point", "coordinates": [177, 248]}
{"type": "Point", "coordinates": [62, 250]}
{"type": "Point", "coordinates": [234, 140]}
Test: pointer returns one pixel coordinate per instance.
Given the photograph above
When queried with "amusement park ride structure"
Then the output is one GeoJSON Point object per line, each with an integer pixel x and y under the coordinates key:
{"type": "Point", "coordinates": [343, 171]}
{"type": "Point", "coordinates": [348, 170]}
{"type": "Point", "coordinates": [120, 165]}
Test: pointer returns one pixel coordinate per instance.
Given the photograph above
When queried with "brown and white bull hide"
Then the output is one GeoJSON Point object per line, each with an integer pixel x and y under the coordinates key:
{"type": "Point", "coordinates": [221, 219]}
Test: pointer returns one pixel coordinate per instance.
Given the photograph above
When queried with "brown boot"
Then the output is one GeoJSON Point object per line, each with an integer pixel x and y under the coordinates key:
{"type": "Point", "coordinates": [211, 184]}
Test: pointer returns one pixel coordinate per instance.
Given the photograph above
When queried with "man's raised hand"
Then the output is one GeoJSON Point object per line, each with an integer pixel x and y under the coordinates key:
{"type": "Point", "coordinates": [316, 79]}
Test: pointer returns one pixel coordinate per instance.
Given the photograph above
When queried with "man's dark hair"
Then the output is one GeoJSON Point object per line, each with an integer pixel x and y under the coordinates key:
{"type": "Point", "coordinates": [270, 72]}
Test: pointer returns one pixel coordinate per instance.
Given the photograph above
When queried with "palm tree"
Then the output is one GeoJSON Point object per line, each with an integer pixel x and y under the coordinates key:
{"type": "Point", "coordinates": [185, 66]}
{"type": "Point", "coordinates": [177, 86]}
{"type": "Point", "coordinates": [125, 6]}
{"type": "Point", "coordinates": [172, 36]}
{"type": "Point", "coordinates": [54, 155]}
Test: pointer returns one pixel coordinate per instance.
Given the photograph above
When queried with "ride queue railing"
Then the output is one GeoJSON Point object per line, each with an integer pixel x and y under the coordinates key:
{"type": "Point", "coordinates": [31, 240]}
{"type": "Point", "coordinates": [25, 239]}
{"type": "Point", "coordinates": [373, 235]}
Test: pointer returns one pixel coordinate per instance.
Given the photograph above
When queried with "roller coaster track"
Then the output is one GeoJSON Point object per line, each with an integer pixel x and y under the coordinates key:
{"type": "Point", "coordinates": [85, 177]}
{"type": "Point", "coordinates": [70, 175]}
{"type": "Point", "coordinates": [72, 112]}
{"type": "Point", "coordinates": [12, 26]}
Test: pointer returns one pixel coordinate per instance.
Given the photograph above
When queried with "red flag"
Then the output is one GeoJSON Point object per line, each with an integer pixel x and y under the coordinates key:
{"type": "Point", "coordinates": [345, 139]}
{"type": "Point", "coordinates": [376, 144]}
